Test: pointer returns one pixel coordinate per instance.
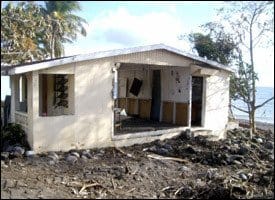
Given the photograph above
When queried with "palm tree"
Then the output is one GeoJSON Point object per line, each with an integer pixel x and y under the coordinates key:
{"type": "Point", "coordinates": [63, 25]}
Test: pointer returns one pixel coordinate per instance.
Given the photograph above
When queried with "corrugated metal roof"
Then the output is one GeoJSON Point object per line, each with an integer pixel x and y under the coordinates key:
{"type": "Point", "coordinates": [9, 70]}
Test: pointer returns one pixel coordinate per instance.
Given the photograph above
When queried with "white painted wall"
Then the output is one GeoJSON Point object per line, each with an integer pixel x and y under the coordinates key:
{"type": "Point", "coordinates": [91, 124]}
{"type": "Point", "coordinates": [217, 102]}
{"type": "Point", "coordinates": [175, 84]}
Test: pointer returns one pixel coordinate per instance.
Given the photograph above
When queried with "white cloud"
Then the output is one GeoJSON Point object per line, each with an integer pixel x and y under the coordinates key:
{"type": "Point", "coordinates": [121, 29]}
{"type": "Point", "coordinates": [114, 29]}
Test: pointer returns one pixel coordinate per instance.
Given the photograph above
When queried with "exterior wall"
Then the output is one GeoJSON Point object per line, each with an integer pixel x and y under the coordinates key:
{"type": "Point", "coordinates": [217, 102]}
{"type": "Point", "coordinates": [91, 125]}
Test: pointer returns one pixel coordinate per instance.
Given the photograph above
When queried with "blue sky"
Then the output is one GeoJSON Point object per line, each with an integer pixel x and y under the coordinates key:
{"type": "Point", "coordinates": [125, 24]}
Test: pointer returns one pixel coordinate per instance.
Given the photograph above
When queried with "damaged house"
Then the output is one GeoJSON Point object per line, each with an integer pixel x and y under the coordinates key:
{"type": "Point", "coordinates": [118, 98]}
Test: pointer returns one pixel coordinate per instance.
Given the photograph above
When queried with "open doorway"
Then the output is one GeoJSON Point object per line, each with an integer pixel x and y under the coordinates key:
{"type": "Point", "coordinates": [156, 96]}
{"type": "Point", "coordinates": [197, 99]}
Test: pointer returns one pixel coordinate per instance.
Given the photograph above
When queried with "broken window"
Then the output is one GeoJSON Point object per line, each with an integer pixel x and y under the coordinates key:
{"type": "Point", "coordinates": [56, 94]}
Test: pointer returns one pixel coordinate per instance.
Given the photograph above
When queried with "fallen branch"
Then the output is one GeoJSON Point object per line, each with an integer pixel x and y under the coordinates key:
{"type": "Point", "coordinates": [87, 186]}
{"type": "Point", "coordinates": [121, 151]}
{"type": "Point", "coordinates": [159, 157]}
{"type": "Point", "coordinates": [178, 190]}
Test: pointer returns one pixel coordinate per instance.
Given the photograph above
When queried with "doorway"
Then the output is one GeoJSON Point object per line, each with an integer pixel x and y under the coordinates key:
{"type": "Point", "coordinates": [197, 99]}
{"type": "Point", "coordinates": [156, 96]}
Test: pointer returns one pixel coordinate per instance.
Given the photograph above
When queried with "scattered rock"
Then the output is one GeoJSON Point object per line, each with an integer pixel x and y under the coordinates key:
{"type": "Point", "coordinates": [53, 156]}
{"type": "Point", "coordinates": [19, 150]}
{"type": "Point", "coordinates": [269, 145]}
{"type": "Point", "coordinates": [30, 153]}
{"type": "Point", "coordinates": [5, 155]}
{"type": "Point", "coordinates": [71, 159]}
{"type": "Point", "coordinates": [243, 176]}
{"type": "Point", "coordinates": [51, 162]}
{"type": "Point", "coordinates": [243, 150]}
{"type": "Point", "coordinates": [3, 164]}
{"type": "Point", "coordinates": [84, 158]}
{"type": "Point", "coordinates": [211, 173]}
{"type": "Point", "coordinates": [74, 153]}
{"type": "Point", "coordinates": [259, 140]}
{"type": "Point", "coordinates": [237, 162]}
{"type": "Point", "coordinates": [190, 149]}
{"type": "Point", "coordinates": [87, 154]}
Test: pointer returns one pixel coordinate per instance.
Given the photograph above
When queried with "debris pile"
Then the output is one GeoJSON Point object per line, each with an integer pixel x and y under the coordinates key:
{"type": "Point", "coordinates": [180, 167]}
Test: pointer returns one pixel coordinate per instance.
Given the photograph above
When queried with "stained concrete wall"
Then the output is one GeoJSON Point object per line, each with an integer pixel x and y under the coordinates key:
{"type": "Point", "coordinates": [91, 124]}
{"type": "Point", "coordinates": [217, 102]}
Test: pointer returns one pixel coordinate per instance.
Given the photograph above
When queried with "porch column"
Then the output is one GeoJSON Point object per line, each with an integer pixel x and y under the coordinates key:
{"type": "Point", "coordinates": [14, 96]}
{"type": "Point", "coordinates": [190, 101]}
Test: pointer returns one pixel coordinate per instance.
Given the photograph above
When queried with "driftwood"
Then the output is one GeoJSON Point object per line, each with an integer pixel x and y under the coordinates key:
{"type": "Point", "coordinates": [159, 157]}
{"type": "Point", "coordinates": [87, 186]}
{"type": "Point", "coordinates": [121, 151]}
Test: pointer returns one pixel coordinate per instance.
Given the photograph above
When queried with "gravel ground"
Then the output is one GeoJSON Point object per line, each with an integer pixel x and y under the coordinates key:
{"type": "Point", "coordinates": [180, 167]}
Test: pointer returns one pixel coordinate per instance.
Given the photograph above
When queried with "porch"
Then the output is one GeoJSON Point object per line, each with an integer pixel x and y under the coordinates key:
{"type": "Point", "coordinates": [154, 99]}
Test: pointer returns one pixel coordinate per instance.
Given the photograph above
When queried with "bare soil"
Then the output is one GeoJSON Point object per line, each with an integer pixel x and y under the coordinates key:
{"type": "Point", "coordinates": [233, 168]}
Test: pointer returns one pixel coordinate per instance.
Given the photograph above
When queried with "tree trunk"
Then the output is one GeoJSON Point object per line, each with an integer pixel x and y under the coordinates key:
{"type": "Point", "coordinates": [252, 125]}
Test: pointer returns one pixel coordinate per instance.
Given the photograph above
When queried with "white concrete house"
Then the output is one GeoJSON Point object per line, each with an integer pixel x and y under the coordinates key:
{"type": "Point", "coordinates": [75, 102]}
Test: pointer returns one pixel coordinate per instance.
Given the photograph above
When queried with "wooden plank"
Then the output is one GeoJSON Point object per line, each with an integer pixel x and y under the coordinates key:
{"type": "Point", "coordinates": [132, 105]}
{"type": "Point", "coordinates": [182, 114]}
{"type": "Point", "coordinates": [167, 112]}
{"type": "Point", "coordinates": [144, 108]}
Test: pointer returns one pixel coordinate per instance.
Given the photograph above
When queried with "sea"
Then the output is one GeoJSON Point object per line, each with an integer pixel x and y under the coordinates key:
{"type": "Point", "coordinates": [263, 114]}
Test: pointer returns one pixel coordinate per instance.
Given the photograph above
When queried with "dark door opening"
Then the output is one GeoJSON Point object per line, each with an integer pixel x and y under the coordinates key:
{"type": "Point", "coordinates": [197, 89]}
{"type": "Point", "coordinates": [156, 96]}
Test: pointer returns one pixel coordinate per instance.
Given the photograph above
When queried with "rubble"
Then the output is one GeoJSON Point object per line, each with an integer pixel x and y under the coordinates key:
{"type": "Point", "coordinates": [181, 167]}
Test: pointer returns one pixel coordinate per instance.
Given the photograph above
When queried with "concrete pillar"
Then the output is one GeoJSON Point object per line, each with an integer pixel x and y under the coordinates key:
{"type": "Point", "coordinates": [190, 101]}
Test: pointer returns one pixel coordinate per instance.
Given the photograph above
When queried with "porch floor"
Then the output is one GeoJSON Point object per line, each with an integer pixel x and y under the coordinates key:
{"type": "Point", "coordinates": [134, 124]}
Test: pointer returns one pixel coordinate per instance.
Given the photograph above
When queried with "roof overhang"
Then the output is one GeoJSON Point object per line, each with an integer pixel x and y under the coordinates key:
{"type": "Point", "coordinates": [12, 70]}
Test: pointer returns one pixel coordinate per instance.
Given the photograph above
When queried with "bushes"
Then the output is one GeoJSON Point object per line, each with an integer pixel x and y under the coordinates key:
{"type": "Point", "coordinates": [12, 134]}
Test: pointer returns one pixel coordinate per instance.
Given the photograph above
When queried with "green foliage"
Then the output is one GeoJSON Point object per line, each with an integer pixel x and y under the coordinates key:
{"type": "Point", "coordinates": [64, 26]}
{"type": "Point", "coordinates": [220, 49]}
{"type": "Point", "coordinates": [31, 32]}
{"type": "Point", "coordinates": [13, 134]}
{"type": "Point", "coordinates": [22, 33]}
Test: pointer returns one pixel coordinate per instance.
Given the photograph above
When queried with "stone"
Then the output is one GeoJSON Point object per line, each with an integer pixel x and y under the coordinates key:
{"type": "Point", "coordinates": [5, 155]}
{"type": "Point", "coordinates": [87, 154]}
{"type": "Point", "coordinates": [237, 162]}
{"type": "Point", "coordinates": [19, 150]}
{"type": "Point", "coordinates": [84, 157]}
{"type": "Point", "coordinates": [231, 158]}
{"type": "Point", "coordinates": [53, 156]}
{"type": "Point", "coordinates": [211, 173]}
{"type": "Point", "coordinates": [74, 153]}
{"type": "Point", "coordinates": [71, 159]}
{"type": "Point", "coordinates": [51, 162]}
{"type": "Point", "coordinates": [3, 164]}
{"type": "Point", "coordinates": [29, 153]}
{"type": "Point", "coordinates": [259, 140]}
{"type": "Point", "coordinates": [242, 150]}
{"type": "Point", "coordinates": [162, 151]}
{"type": "Point", "coordinates": [184, 168]}
{"type": "Point", "coordinates": [243, 176]}
{"type": "Point", "coordinates": [190, 150]}
{"type": "Point", "coordinates": [186, 135]}
{"type": "Point", "coordinates": [269, 145]}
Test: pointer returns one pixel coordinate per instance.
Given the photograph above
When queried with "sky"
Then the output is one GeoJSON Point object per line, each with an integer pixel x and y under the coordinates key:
{"type": "Point", "coordinates": [114, 24]}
